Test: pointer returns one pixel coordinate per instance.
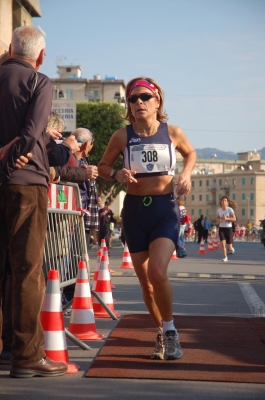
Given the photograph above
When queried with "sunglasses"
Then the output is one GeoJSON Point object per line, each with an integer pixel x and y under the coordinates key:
{"type": "Point", "coordinates": [143, 96]}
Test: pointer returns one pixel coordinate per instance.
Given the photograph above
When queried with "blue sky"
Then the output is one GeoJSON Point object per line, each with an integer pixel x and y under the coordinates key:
{"type": "Point", "coordinates": [208, 55]}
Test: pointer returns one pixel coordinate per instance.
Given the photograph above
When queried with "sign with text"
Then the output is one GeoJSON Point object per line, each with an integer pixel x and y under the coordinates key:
{"type": "Point", "coordinates": [67, 110]}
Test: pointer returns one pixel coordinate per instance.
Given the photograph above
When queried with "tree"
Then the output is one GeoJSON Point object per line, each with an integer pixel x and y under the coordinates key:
{"type": "Point", "coordinates": [103, 119]}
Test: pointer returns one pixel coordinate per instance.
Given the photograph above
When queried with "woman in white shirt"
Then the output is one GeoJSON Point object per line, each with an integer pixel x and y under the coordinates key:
{"type": "Point", "coordinates": [225, 216]}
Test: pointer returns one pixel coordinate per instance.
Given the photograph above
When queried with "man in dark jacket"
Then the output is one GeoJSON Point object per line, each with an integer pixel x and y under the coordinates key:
{"type": "Point", "coordinates": [106, 216]}
{"type": "Point", "coordinates": [25, 104]}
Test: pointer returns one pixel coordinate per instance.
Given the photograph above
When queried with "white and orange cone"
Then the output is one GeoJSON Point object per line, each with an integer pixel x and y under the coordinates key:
{"type": "Point", "coordinates": [210, 245]}
{"type": "Point", "coordinates": [202, 247]}
{"type": "Point", "coordinates": [126, 259]}
{"type": "Point", "coordinates": [103, 244]}
{"type": "Point", "coordinates": [82, 321]}
{"type": "Point", "coordinates": [95, 277]}
{"type": "Point", "coordinates": [105, 251]}
{"type": "Point", "coordinates": [174, 256]}
{"type": "Point", "coordinates": [103, 289]}
{"type": "Point", "coordinates": [215, 243]}
{"type": "Point", "coordinates": [53, 323]}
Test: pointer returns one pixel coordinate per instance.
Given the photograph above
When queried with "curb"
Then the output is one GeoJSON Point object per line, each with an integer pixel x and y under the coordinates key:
{"type": "Point", "coordinates": [195, 275]}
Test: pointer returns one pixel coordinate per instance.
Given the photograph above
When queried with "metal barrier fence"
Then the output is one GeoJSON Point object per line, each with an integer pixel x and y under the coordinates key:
{"type": "Point", "coordinates": [65, 243]}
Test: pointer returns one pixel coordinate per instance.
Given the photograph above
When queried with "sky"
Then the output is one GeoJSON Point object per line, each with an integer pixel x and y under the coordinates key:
{"type": "Point", "coordinates": [207, 55]}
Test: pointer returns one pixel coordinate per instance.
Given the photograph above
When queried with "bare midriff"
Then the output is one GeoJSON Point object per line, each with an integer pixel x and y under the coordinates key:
{"type": "Point", "coordinates": [152, 186]}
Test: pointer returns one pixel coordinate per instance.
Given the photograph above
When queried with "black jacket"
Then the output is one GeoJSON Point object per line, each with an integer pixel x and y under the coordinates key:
{"type": "Point", "coordinates": [25, 105]}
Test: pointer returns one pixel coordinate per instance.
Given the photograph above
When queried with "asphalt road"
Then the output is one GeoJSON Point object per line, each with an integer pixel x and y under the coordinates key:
{"type": "Point", "coordinates": [203, 285]}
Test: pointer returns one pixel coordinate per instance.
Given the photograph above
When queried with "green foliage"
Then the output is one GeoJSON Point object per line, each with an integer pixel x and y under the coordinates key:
{"type": "Point", "coordinates": [103, 119]}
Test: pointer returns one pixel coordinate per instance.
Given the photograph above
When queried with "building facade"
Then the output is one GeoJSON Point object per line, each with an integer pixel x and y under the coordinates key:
{"type": "Point", "coordinates": [15, 13]}
{"type": "Point", "coordinates": [71, 85]}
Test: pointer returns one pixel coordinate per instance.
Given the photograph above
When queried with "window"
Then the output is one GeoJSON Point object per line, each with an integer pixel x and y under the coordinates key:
{"type": "Point", "coordinates": [233, 197]}
{"type": "Point", "coordinates": [192, 197]}
{"type": "Point", "coordinates": [92, 94]}
{"type": "Point", "coordinates": [207, 211]}
{"type": "Point", "coordinates": [220, 196]}
{"type": "Point", "coordinates": [207, 182]}
{"type": "Point", "coordinates": [251, 196]}
{"type": "Point", "coordinates": [243, 196]}
{"type": "Point", "coordinates": [243, 181]}
{"type": "Point", "coordinates": [68, 69]}
{"type": "Point", "coordinates": [192, 184]}
{"type": "Point", "coordinates": [200, 183]}
{"type": "Point", "coordinates": [69, 93]}
{"type": "Point", "coordinates": [200, 197]}
{"type": "Point", "coordinates": [220, 182]}
{"type": "Point", "coordinates": [234, 181]}
{"type": "Point", "coordinates": [243, 212]}
{"type": "Point", "coordinates": [252, 181]}
{"type": "Point", "coordinates": [207, 197]}
{"type": "Point", "coordinates": [192, 211]}
{"type": "Point", "coordinates": [200, 211]}
{"type": "Point", "coordinates": [252, 212]}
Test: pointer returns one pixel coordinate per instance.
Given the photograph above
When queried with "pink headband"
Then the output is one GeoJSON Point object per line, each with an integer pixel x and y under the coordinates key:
{"type": "Point", "coordinates": [146, 84]}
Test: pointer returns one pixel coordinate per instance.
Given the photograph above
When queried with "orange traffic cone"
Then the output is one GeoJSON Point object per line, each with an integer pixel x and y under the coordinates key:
{"type": "Point", "coordinates": [105, 253]}
{"type": "Point", "coordinates": [210, 244]}
{"type": "Point", "coordinates": [174, 256]}
{"type": "Point", "coordinates": [103, 289]}
{"type": "Point", "coordinates": [202, 247]}
{"type": "Point", "coordinates": [53, 323]}
{"type": "Point", "coordinates": [103, 244]}
{"type": "Point", "coordinates": [82, 321]}
{"type": "Point", "coordinates": [95, 277]}
{"type": "Point", "coordinates": [215, 243]}
{"type": "Point", "coordinates": [126, 259]}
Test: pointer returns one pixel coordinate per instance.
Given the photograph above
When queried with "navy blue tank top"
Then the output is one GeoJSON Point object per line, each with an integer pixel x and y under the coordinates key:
{"type": "Point", "coordinates": [150, 155]}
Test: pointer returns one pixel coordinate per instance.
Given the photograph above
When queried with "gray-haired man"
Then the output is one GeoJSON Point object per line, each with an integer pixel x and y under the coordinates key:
{"type": "Point", "coordinates": [25, 104]}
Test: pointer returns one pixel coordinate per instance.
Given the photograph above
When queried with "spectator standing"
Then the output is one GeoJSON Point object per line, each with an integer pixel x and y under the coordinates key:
{"type": "Point", "coordinates": [25, 104]}
{"type": "Point", "coordinates": [181, 251]}
{"type": "Point", "coordinates": [196, 229]}
{"type": "Point", "coordinates": [207, 227]}
{"type": "Point", "coordinates": [200, 228]}
{"type": "Point", "coordinates": [106, 217]}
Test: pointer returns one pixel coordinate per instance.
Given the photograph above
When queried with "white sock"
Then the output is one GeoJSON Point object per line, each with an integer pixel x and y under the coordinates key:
{"type": "Point", "coordinates": [169, 326]}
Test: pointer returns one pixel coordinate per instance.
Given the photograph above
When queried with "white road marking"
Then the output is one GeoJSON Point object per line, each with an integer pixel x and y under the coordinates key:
{"type": "Point", "coordinates": [256, 305]}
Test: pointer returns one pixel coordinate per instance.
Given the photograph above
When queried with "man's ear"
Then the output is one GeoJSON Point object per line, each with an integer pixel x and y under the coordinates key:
{"type": "Point", "coordinates": [40, 59]}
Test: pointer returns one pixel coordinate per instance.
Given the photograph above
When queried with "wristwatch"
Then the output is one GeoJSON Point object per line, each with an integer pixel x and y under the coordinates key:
{"type": "Point", "coordinates": [113, 173]}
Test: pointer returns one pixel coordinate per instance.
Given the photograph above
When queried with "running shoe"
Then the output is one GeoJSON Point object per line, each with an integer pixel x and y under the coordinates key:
{"type": "Point", "coordinates": [172, 346]}
{"type": "Point", "coordinates": [225, 259]}
{"type": "Point", "coordinates": [159, 351]}
{"type": "Point", "coordinates": [231, 251]}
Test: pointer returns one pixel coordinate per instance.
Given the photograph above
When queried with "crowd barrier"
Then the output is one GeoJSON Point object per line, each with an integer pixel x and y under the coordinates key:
{"type": "Point", "coordinates": [65, 243]}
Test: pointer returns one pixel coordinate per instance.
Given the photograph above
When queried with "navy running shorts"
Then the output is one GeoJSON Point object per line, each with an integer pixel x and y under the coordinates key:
{"type": "Point", "coordinates": [146, 218]}
{"type": "Point", "coordinates": [226, 234]}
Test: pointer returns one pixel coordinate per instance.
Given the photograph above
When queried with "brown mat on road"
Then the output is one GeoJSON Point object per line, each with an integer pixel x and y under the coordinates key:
{"type": "Point", "coordinates": [224, 349]}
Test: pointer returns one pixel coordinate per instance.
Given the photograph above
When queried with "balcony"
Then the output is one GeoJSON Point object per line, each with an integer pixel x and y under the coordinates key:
{"type": "Point", "coordinates": [212, 188]}
{"type": "Point", "coordinates": [225, 187]}
{"type": "Point", "coordinates": [211, 203]}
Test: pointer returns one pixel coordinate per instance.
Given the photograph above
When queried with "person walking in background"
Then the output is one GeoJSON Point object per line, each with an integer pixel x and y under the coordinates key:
{"type": "Point", "coordinates": [200, 228]}
{"type": "Point", "coordinates": [225, 217]}
{"type": "Point", "coordinates": [196, 229]}
{"type": "Point", "coordinates": [106, 217]}
{"type": "Point", "coordinates": [150, 212]}
{"type": "Point", "coordinates": [25, 104]}
{"type": "Point", "coordinates": [181, 251]}
{"type": "Point", "coordinates": [207, 227]}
